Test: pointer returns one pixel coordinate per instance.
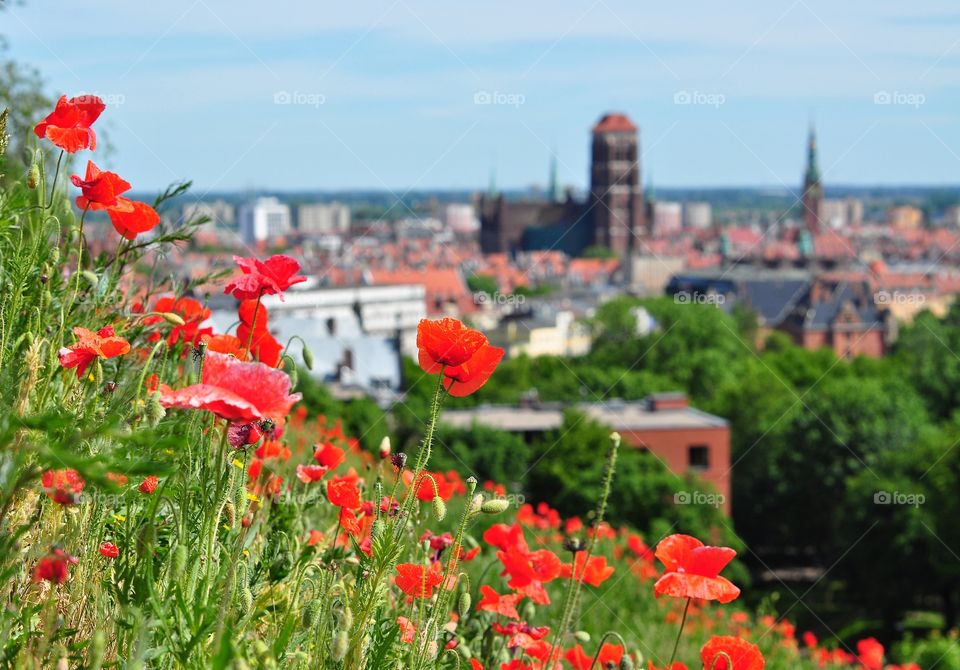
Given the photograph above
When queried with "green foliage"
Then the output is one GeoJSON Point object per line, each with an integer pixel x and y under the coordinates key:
{"type": "Point", "coordinates": [482, 284]}
{"type": "Point", "coordinates": [599, 251]}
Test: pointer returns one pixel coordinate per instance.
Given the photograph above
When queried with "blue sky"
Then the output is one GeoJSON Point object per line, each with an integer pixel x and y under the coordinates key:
{"type": "Point", "coordinates": [383, 93]}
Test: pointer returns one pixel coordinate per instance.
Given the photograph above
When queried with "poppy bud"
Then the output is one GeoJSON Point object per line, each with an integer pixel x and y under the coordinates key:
{"type": "Point", "coordinates": [626, 663]}
{"type": "Point", "coordinates": [230, 513]}
{"type": "Point", "coordinates": [471, 484]}
{"type": "Point", "coordinates": [172, 318]}
{"type": "Point", "coordinates": [293, 376]}
{"type": "Point", "coordinates": [463, 605]}
{"type": "Point", "coordinates": [307, 357]}
{"type": "Point", "coordinates": [340, 644]}
{"type": "Point", "coordinates": [97, 373]}
{"type": "Point", "coordinates": [97, 644]}
{"type": "Point", "coordinates": [439, 508]}
{"type": "Point", "coordinates": [179, 560]}
{"type": "Point", "coordinates": [91, 278]}
{"type": "Point", "coordinates": [385, 446]}
{"type": "Point", "coordinates": [615, 438]}
{"type": "Point", "coordinates": [155, 410]}
{"type": "Point", "coordinates": [582, 636]}
{"type": "Point", "coordinates": [346, 618]}
{"type": "Point", "coordinates": [33, 176]}
{"type": "Point", "coordinates": [495, 506]}
{"type": "Point", "coordinates": [246, 599]}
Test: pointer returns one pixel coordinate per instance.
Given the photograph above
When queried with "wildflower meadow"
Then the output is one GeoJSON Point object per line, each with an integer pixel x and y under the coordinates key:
{"type": "Point", "coordinates": [167, 498]}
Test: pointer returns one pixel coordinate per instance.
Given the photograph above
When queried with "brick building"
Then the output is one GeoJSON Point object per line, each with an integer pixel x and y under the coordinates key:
{"type": "Point", "coordinates": [685, 439]}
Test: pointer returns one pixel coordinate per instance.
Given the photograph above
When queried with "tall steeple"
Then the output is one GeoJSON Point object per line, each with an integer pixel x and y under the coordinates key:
{"type": "Point", "coordinates": [555, 190]}
{"type": "Point", "coordinates": [812, 187]}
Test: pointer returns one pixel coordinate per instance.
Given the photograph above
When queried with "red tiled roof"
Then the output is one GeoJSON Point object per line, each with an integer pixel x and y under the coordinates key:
{"type": "Point", "coordinates": [615, 123]}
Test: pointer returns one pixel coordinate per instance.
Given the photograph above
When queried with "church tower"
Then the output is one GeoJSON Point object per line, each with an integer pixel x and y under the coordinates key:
{"type": "Point", "coordinates": [812, 188]}
{"type": "Point", "coordinates": [616, 200]}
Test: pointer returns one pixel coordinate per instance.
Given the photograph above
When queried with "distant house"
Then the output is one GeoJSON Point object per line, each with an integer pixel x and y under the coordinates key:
{"type": "Point", "coordinates": [686, 440]}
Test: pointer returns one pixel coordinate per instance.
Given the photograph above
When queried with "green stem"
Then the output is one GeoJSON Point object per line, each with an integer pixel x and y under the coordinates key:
{"type": "Point", "coordinates": [676, 644]}
{"type": "Point", "coordinates": [576, 581]}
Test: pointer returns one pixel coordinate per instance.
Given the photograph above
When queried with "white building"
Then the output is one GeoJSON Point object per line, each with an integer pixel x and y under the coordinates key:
{"type": "Point", "coordinates": [461, 218]}
{"type": "Point", "coordinates": [842, 213]}
{"type": "Point", "coordinates": [221, 213]}
{"type": "Point", "coordinates": [264, 219]}
{"type": "Point", "coordinates": [667, 217]}
{"type": "Point", "coordinates": [320, 218]}
{"type": "Point", "coordinates": [697, 215]}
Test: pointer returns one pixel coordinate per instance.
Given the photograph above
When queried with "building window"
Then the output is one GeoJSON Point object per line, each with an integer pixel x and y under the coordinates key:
{"type": "Point", "coordinates": [698, 457]}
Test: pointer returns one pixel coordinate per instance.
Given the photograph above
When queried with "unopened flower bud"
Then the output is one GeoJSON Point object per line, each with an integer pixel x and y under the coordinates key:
{"type": "Point", "coordinates": [495, 506]}
{"type": "Point", "coordinates": [439, 508]}
{"type": "Point", "coordinates": [33, 176]}
{"type": "Point", "coordinates": [155, 410]}
{"type": "Point", "coordinates": [172, 318]}
{"type": "Point", "coordinates": [91, 277]}
{"type": "Point", "coordinates": [615, 438]}
{"type": "Point", "coordinates": [385, 446]}
{"type": "Point", "coordinates": [307, 357]}
{"type": "Point", "coordinates": [179, 560]}
{"type": "Point", "coordinates": [626, 663]}
{"type": "Point", "coordinates": [471, 484]}
{"type": "Point", "coordinates": [582, 636]}
{"type": "Point", "coordinates": [340, 644]}
{"type": "Point", "coordinates": [463, 604]}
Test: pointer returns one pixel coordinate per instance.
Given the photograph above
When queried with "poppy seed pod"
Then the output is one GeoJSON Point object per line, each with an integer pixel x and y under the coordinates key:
{"type": "Point", "coordinates": [398, 460]}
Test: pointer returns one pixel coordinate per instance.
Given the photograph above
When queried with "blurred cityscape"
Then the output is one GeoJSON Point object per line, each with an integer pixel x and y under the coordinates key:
{"type": "Point", "coordinates": [829, 266]}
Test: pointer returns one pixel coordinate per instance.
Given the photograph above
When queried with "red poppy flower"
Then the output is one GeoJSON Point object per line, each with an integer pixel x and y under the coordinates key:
{"type": "Point", "coordinates": [693, 570]}
{"type": "Point", "coordinates": [870, 653]}
{"type": "Point", "coordinates": [236, 391]}
{"type": "Point", "coordinates": [103, 344]}
{"type": "Point", "coordinates": [744, 655]}
{"type": "Point", "coordinates": [99, 189]}
{"type": "Point", "coordinates": [525, 567]}
{"type": "Point", "coordinates": [609, 657]}
{"type": "Point", "coordinates": [503, 605]}
{"type": "Point", "coordinates": [131, 217]}
{"type": "Point", "coordinates": [343, 492]}
{"type": "Point", "coordinates": [109, 550]}
{"type": "Point", "coordinates": [505, 537]}
{"type": "Point", "coordinates": [329, 455]}
{"type": "Point", "coordinates": [226, 344]}
{"type": "Point", "coordinates": [594, 572]}
{"type": "Point", "coordinates": [62, 486]}
{"type": "Point", "coordinates": [463, 354]}
{"type": "Point", "coordinates": [54, 567]}
{"type": "Point", "coordinates": [417, 581]}
{"type": "Point", "coordinates": [273, 449]}
{"type": "Point", "coordinates": [408, 629]}
{"type": "Point", "coordinates": [310, 473]}
{"type": "Point", "coordinates": [193, 314]}
{"type": "Point", "coordinates": [263, 345]}
{"type": "Point", "coordinates": [68, 125]}
{"type": "Point", "coordinates": [258, 278]}
{"type": "Point", "coordinates": [149, 484]}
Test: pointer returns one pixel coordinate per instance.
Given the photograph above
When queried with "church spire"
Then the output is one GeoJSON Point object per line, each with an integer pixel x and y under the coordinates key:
{"type": "Point", "coordinates": [555, 191]}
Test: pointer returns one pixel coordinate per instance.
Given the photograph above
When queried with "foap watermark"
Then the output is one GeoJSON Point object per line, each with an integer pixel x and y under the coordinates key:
{"type": "Point", "coordinates": [109, 99]}
{"type": "Point", "coordinates": [501, 98]}
{"type": "Point", "coordinates": [898, 498]}
{"type": "Point", "coordinates": [904, 98]}
{"type": "Point", "coordinates": [699, 498]}
{"type": "Point", "coordinates": [702, 98]}
{"type": "Point", "coordinates": [299, 98]}
{"type": "Point", "coordinates": [497, 298]}
{"type": "Point", "coordinates": [698, 298]}
{"type": "Point", "coordinates": [899, 298]}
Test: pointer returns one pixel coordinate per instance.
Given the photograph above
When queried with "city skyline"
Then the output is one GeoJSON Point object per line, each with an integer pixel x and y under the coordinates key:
{"type": "Point", "coordinates": [397, 96]}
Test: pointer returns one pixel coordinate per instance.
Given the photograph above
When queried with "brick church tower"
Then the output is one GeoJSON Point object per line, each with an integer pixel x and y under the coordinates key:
{"type": "Point", "coordinates": [812, 188]}
{"type": "Point", "coordinates": [616, 199]}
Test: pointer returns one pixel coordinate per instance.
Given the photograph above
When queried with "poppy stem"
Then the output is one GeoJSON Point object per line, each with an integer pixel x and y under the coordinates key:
{"type": "Point", "coordinates": [603, 640]}
{"type": "Point", "coordinates": [676, 644]}
{"type": "Point", "coordinates": [53, 187]}
{"type": "Point", "coordinates": [253, 324]}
